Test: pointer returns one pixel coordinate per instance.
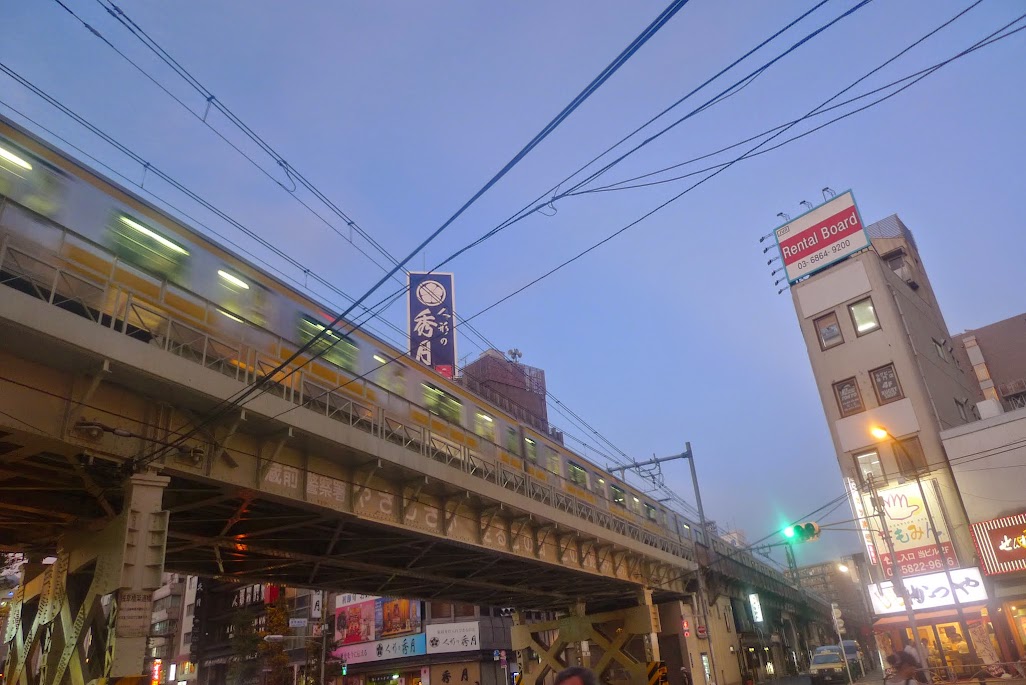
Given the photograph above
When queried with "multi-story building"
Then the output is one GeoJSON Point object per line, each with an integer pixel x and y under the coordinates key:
{"type": "Point", "coordinates": [843, 583]}
{"type": "Point", "coordinates": [170, 619]}
{"type": "Point", "coordinates": [891, 381]}
{"type": "Point", "coordinates": [988, 458]}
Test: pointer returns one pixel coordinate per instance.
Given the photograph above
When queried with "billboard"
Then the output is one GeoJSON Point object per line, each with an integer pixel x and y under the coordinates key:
{"type": "Point", "coordinates": [453, 637]}
{"type": "Point", "coordinates": [365, 618]}
{"type": "Point", "coordinates": [430, 321]}
{"type": "Point", "coordinates": [821, 237]}
{"type": "Point", "coordinates": [1002, 544]}
{"type": "Point", "coordinates": [930, 591]}
{"type": "Point", "coordinates": [908, 523]}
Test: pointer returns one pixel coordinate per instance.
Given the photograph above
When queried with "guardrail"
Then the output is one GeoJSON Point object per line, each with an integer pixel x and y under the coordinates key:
{"type": "Point", "coordinates": [114, 306]}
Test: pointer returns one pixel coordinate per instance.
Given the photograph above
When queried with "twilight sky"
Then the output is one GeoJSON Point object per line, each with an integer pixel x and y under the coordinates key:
{"type": "Point", "coordinates": [673, 331]}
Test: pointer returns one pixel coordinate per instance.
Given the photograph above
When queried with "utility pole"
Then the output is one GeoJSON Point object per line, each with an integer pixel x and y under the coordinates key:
{"type": "Point", "coordinates": [324, 633]}
{"type": "Point", "coordinates": [898, 581]}
{"type": "Point", "coordinates": [703, 596]}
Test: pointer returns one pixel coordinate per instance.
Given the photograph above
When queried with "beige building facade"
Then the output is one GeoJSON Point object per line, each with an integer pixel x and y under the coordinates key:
{"type": "Point", "coordinates": [891, 380]}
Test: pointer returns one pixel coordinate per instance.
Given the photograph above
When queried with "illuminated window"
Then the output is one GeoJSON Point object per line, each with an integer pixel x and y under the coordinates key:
{"type": "Point", "coordinates": [828, 330]}
{"type": "Point", "coordinates": [598, 484]}
{"type": "Point", "coordinates": [554, 462]}
{"type": "Point", "coordinates": [484, 426]}
{"type": "Point", "coordinates": [332, 346]}
{"type": "Point", "coordinates": [618, 495]}
{"type": "Point", "coordinates": [441, 403]}
{"type": "Point", "coordinates": [886, 385]}
{"type": "Point", "coordinates": [868, 464]}
{"type": "Point", "coordinates": [576, 474]}
{"type": "Point", "coordinates": [635, 503]}
{"type": "Point", "coordinates": [146, 247]}
{"type": "Point", "coordinates": [651, 513]}
{"type": "Point", "coordinates": [863, 315]}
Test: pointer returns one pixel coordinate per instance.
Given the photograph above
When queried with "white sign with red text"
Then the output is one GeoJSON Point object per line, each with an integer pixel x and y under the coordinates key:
{"type": "Point", "coordinates": [821, 237]}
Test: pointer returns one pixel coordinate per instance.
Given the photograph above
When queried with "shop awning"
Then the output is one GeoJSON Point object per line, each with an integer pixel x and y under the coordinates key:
{"type": "Point", "coordinates": [949, 614]}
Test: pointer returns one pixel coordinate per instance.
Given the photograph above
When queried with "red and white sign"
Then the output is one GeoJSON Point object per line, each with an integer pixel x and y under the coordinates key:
{"type": "Point", "coordinates": [907, 517]}
{"type": "Point", "coordinates": [821, 237]}
{"type": "Point", "coordinates": [1002, 544]}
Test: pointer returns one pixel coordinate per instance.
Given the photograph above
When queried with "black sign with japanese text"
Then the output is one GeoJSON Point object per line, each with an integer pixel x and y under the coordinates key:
{"type": "Point", "coordinates": [431, 323]}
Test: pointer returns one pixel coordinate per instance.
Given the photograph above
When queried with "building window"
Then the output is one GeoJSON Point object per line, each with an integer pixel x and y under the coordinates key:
{"type": "Point", "coordinates": [863, 315]}
{"type": "Point", "coordinates": [938, 347]}
{"type": "Point", "coordinates": [849, 398]}
{"type": "Point", "coordinates": [895, 261]}
{"type": "Point", "coordinates": [828, 331]}
{"type": "Point", "coordinates": [868, 464]}
{"type": "Point", "coordinates": [484, 426]}
{"type": "Point", "coordinates": [577, 475]}
{"type": "Point", "coordinates": [910, 456]}
{"type": "Point", "coordinates": [618, 495]}
{"type": "Point", "coordinates": [885, 382]}
{"type": "Point", "coordinates": [651, 513]}
{"type": "Point", "coordinates": [441, 403]}
{"type": "Point", "coordinates": [189, 609]}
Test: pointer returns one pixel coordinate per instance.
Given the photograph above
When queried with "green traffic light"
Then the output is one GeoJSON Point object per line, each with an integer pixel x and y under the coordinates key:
{"type": "Point", "coordinates": [789, 532]}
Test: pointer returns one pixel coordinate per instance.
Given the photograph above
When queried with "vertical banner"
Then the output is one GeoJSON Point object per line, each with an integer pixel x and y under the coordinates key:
{"type": "Point", "coordinates": [430, 321]}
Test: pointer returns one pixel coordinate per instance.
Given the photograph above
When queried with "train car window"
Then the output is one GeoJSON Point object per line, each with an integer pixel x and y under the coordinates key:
{"type": "Point", "coordinates": [531, 449]}
{"type": "Point", "coordinates": [138, 243]}
{"type": "Point", "coordinates": [651, 513]}
{"type": "Point", "coordinates": [577, 475]}
{"type": "Point", "coordinates": [553, 461]}
{"type": "Point", "coordinates": [618, 495]}
{"type": "Point", "coordinates": [443, 404]}
{"type": "Point", "coordinates": [484, 426]}
{"type": "Point", "coordinates": [598, 484]}
{"type": "Point", "coordinates": [332, 346]}
{"type": "Point", "coordinates": [31, 181]}
{"type": "Point", "coordinates": [391, 374]}
{"type": "Point", "coordinates": [512, 440]}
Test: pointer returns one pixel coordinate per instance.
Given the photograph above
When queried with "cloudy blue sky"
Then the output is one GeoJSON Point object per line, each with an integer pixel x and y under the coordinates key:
{"type": "Point", "coordinates": [673, 331]}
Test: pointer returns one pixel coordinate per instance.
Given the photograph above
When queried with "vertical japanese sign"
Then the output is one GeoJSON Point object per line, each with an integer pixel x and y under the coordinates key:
{"type": "Point", "coordinates": [431, 324]}
{"type": "Point", "coordinates": [915, 543]}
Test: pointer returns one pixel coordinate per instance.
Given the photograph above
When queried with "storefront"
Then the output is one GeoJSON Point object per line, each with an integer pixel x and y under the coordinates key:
{"type": "Point", "coordinates": [959, 637]}
{"type": "Point", "coordinates": [1001, 544]}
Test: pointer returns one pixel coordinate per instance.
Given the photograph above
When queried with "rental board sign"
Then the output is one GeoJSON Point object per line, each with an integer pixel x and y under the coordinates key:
{"type": "Point", "coordinates": [820, 237]}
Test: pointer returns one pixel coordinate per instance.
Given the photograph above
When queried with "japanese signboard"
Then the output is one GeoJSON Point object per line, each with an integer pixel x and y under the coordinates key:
{"type": "Point", "coordinates": [820, 237]}
{"type": "Point", "coordinates": [753, 599]}
{"type": "Point", "coordinates": [885, 380]}
{"type": "Point", "coordinates": [379, 650]}
{"type": "Point", "coordinates": [431, 323]}
{"type": "Point", "coordinates": [908, 522]}
{"type": "Point", "coordinates": [456, 674]}
{"type": "Point", "coordinates": [453, 637]}
{"type": "Point", "coordinates": [1002, 544]}
{"type": "Point", "coordinates": [849, 399]}
{"type": "Point", "coordinates": [930, 591]}
{"type": "Point", "coordinates": [134, 613]}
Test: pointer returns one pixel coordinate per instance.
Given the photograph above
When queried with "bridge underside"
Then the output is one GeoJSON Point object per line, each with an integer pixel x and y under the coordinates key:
{"type": "Point", "coordinates": [48, 490]}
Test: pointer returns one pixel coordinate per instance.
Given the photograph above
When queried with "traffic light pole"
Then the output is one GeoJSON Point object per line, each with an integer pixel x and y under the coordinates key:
{"type": "Point", "coordinates": [840, 641]}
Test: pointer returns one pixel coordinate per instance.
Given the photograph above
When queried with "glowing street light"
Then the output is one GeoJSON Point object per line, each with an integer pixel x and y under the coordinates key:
{"type": "Point", "coordinates": [842, 568]}
{"type": "Point", "coordinates": [879, 433]}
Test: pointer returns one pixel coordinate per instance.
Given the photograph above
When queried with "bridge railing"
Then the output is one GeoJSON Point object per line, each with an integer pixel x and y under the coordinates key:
{"type": "Point", "coordinates": [120, 308]}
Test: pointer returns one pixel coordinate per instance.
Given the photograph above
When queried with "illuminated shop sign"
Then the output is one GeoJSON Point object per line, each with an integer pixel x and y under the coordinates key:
{"type": "Point", "coordinates": [1002, 544]}
{"type": "Point", "coordinates": [930, 591]}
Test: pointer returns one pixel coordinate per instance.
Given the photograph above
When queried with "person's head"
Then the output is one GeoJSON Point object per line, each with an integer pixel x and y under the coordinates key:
{"type": "Point", "coordinates": [575, 675]}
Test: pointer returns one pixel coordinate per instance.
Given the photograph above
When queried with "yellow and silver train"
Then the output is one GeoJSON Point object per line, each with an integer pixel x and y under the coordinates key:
{"type": "Point", "coordinates": [63, 214]}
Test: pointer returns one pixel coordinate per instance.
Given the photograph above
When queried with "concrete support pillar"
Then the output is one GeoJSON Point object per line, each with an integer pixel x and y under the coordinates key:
{"type": "Point", "coordinates": [85, 618]}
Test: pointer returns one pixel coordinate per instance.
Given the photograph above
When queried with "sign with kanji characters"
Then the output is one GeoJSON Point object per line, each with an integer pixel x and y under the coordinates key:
{"type": "Point", "coordinates": [431, 323]}
{"type": "Point", "coordinates": [1002, 544]}
{"type": "Point", "coordinates": [454, 637]}
{"type": "Point", "coordinates": [395, 648]}
{"type": "Point", "coordinates": [908, 523]}
{"type": "Point", "coordinates": [930, 591]}
{"type": "Point", "coordinates": [456, 674]}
